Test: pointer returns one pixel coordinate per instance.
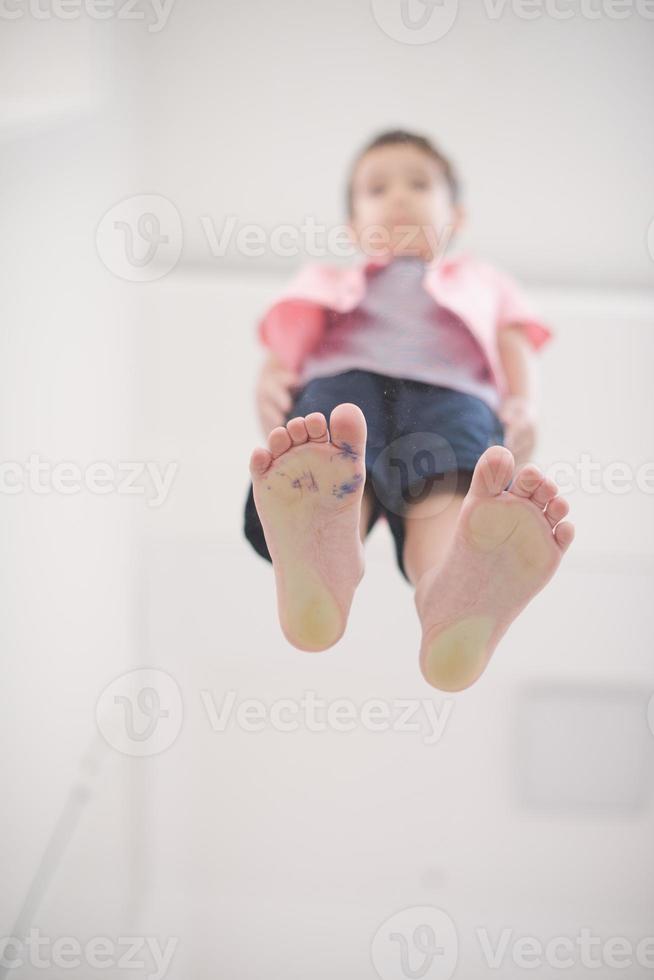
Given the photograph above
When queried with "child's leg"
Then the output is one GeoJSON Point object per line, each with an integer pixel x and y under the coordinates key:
{"type": "Point", "coordinates": [429, 528]}
{"type": "Point", "coordinates": [478, 562]}
{"type": "Point", "coordinates": [308, 487]}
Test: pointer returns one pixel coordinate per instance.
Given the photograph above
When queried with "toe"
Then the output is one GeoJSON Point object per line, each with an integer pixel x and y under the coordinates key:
{"type": "Point", "coordinates": [260, 460]}
{"type": "Point", "coordinates": [546, 491]}
{"type": "Point", "coordinates": [316, 424]}
{"type": "Point", "coordinates": [527, 481]}
{"type": "Point", "coordinates": [347, 426]}
{"type": "Point", "coordinates": [297, 430]}
{"type": "Point", "coordinates": [492, 472]}
{"type": "Point", "coordinates": [279, 440]}
{"type": "Point", "coordinates": [564, 534]}
{"type": "Point", "coordinates": [556, 510]}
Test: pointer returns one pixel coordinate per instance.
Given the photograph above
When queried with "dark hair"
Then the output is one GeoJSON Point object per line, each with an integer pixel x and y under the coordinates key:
{"type": "Point", "coordinates": [396, 137]}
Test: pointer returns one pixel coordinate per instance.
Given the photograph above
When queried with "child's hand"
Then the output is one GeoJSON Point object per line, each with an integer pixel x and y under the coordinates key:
{"type": "Point", "coordinates": [273, 393]}
{"type": "Point", "coordinates": [520, 431]}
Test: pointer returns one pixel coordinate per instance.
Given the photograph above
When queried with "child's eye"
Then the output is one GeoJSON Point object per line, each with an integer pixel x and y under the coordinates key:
{"type": "Point", "coordinates": [377, 189]}
{"type": "Point", "coordinates": [420, 185]}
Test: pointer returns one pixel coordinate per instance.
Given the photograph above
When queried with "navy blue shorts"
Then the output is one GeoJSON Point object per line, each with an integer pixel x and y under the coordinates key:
{"type": "Point", "coordinates": [421, 438]}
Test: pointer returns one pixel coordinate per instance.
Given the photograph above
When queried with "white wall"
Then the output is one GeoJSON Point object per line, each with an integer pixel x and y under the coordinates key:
{"type": "Point", "coordinates": [255, 110]}
{"type": "Point", "coordinates": [69, 566]}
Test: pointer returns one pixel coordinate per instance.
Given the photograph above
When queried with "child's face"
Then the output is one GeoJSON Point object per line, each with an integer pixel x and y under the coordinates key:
{"type": "Point", "coordinates": [401, 190]}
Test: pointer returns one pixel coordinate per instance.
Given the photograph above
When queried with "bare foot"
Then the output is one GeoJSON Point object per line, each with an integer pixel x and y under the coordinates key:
{"type": "Point", "coordinates": [506, 547]}
{"type": "Point", "coordinates": [308, 492]}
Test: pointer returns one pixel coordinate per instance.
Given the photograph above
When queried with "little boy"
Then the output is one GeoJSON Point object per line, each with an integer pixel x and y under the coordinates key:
{"type": "Point", "coordinates": [423, 364]}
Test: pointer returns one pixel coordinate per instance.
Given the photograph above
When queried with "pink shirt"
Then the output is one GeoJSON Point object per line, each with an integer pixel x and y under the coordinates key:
{"type": "Point", "coordinates": [485, 299]}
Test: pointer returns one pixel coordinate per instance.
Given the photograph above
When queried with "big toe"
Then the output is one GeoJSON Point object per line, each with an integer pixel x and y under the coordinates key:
{"type": "Point", "coordinates": [260, 460]}
{"type": "Point", "coordinates": [493, 472]}
{"type": "Point", "coordinates": [347, 427]}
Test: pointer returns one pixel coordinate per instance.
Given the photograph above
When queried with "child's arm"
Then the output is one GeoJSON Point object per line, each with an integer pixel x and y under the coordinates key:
{"type": "Point", "coordinates": [296, 320]}
{"type": "Point", "coordinates": [291, 330]}
{"type": "Point", "coordinates": [274, 393]}
{"type": "Point", "coordinates": [518, 410]}
{"type": "Point", "coordinates": [520, 334]}
{"type": "Point", "coordinates": [519, 362]}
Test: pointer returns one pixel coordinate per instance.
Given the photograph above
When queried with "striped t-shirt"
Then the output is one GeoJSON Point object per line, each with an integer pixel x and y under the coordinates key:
{"type": "Point", "coordinates": [399, 330]}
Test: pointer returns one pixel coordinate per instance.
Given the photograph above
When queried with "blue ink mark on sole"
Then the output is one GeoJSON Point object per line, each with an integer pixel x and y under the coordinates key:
{"type": "Point", "coordinates": [347, 451]}
{"type": "Point", "coordinates": [348, 487]}
{"type": "Point", "coordinates": [307, 480]}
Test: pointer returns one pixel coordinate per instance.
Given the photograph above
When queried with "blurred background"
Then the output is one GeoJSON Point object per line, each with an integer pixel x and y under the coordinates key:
{"type": "Point", "coordinates": [138, 141]}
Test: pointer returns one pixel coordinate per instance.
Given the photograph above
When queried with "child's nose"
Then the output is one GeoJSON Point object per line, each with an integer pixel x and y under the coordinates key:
{"type": "Point", "coordinates": [399, 197]}
{"type": "Point", "coordinates": [399, 203]}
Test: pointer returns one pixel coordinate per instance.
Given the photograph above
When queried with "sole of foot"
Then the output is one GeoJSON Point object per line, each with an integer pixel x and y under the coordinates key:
{"type": "Point", "coordinates": [506, 546]}
{"type": "Point", "coordinates": [307, 487]}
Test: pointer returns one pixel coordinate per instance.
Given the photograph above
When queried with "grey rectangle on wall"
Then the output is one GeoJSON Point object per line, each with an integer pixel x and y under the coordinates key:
{"type": "Point", "coordinates": [583, 749]}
